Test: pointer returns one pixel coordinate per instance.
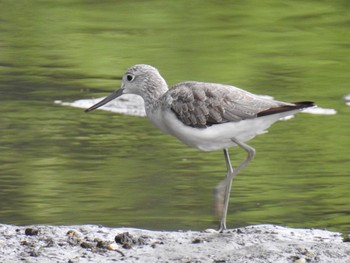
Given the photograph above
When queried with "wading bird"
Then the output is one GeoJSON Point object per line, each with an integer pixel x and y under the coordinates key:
{"type": "Point", "coordinates": [206, 116]}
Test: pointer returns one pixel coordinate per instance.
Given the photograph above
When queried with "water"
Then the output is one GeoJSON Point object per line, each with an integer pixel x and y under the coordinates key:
{"type": "Point", "coordinates": [59, 165]}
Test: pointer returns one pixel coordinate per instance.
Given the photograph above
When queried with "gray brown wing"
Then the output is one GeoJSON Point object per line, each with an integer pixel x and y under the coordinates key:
{"type": "Point", "coordinates": [200, 104]}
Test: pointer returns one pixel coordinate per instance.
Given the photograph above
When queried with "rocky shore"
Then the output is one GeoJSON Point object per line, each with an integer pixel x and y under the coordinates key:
{"type": "Point", "coordinates": [91, 243]}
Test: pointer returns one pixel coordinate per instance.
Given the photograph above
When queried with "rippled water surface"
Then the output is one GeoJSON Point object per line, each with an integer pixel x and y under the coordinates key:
{"type": "Point", "coordinates": [59, 165]}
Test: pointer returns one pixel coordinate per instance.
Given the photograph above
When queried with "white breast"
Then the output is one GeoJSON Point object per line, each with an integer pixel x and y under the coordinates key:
{"type": "Point", "coordinates": [217, 136]}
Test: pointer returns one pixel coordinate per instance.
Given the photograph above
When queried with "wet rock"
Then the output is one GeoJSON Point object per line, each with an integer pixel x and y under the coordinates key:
{"type": "Point", "coordinates": [25, 243]}
{"type": "Point", "coordinates": [126, 246]}
{"type": "Point", "coordinates": [50, 242]}
{"type": "Point", "coordinates": [86, 245]}
{"type": "Point", "coordinates": [102, 244]}
{"type": "Point", "coordinates": [123, 238]}
{"type": "Point", "coordinates": [34, 253]}
{"type": "Point", "coordinates": [74, 238]}
{"type": "Point", "coordinates": [73, 233]}
{"type": "Point", "coordinates": [153, 245]}
{"type": "Point", "coordinates": [346, 239]}
{"type": "Point", "coordinates": [31, 232]}
{"type": "Point", "coordinates": [127, 240]}
{"type": "Point", "coordinates": [196, 241]}
{"type": "Point", "coordinates": [239, 231]}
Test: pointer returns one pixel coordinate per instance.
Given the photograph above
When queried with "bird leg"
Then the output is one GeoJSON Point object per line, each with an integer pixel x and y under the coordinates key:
{"type": "Point", "coordinates": [223, 189]}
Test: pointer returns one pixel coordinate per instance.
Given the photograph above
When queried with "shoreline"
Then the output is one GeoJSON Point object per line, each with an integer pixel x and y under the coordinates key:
{"type": "Point", "coordinates": [92, 243]}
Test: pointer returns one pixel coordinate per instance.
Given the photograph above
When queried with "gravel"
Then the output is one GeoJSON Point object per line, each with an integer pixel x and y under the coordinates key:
{"type": "Point", "coordinates": [92, 243]}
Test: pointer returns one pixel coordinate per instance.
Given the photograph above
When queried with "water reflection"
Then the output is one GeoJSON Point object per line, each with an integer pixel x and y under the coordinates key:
{"type": "Point", "coordinates": [61, 166]}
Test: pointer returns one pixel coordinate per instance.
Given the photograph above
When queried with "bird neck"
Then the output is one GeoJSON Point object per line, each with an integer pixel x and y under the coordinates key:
{"type": "Point", "coordinates": [155, 90]}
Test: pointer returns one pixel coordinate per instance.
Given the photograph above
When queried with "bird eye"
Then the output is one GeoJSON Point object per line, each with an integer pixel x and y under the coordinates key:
{"type": "Point", "coordinates": [129, 77]}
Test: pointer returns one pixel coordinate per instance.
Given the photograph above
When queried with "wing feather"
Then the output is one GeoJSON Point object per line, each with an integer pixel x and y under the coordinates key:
{"type": "Point", "coordinates": [199, 104]}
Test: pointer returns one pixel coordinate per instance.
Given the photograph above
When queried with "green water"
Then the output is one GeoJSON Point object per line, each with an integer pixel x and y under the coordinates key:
{"type": "Point", "coordinates": [59, 165]}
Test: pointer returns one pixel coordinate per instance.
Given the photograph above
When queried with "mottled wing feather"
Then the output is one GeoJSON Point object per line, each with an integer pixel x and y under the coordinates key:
{"type": "Point", "coordinates": [200, 104]}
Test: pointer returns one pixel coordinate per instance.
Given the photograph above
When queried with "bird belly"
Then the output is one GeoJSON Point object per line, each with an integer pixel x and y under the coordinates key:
{"type": "Point", "coordinates": [218, 136]}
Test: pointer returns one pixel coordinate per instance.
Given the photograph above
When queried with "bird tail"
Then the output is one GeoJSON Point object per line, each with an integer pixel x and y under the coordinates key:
{"type": "Point", "coordinates": [284, 108]}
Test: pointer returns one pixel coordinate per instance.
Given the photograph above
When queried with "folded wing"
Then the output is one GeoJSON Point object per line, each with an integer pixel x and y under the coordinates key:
{"type": "Point", "coordinates": [199, 104]}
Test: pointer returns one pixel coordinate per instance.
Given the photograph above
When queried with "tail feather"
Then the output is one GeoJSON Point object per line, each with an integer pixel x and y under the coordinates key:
{"type": "Point", "coordinates": [284, 108]}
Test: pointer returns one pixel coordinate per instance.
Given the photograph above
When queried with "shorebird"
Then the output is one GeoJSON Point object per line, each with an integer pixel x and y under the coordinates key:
{"type": "Point", "coordinates": [206, 116]}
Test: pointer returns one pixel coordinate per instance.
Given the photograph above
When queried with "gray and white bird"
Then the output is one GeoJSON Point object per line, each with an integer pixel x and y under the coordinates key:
{"type": "Point", "coordinates": [206, 116]}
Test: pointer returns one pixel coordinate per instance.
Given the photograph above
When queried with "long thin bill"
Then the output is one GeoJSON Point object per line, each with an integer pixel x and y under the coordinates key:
{"type": "Point", "coordinates": [113, 96]}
